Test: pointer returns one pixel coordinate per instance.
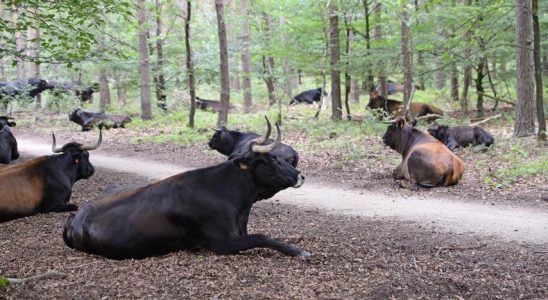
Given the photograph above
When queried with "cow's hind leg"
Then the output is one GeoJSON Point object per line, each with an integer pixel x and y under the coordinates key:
{"type": "Point", "coordinates": [233, 245]}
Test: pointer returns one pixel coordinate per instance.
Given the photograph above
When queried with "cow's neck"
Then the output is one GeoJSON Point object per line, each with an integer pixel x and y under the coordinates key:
{"type": "Point", "coordinates": [63, 164]}
{"type": "Point", "coordinates": [415, 137]}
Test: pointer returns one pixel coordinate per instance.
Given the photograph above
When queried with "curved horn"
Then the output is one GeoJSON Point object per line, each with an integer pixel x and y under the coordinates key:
{"type": "Point", "coordinates": [390, 122]}
{"type": "Point", "coordinates": [83, 148]}
{"type": "Point", "coordinates": [267, 148]}
{"type": "Point", "coordinates": [263, 138]}
{"type": "Point", "coordinates": [53, 146]}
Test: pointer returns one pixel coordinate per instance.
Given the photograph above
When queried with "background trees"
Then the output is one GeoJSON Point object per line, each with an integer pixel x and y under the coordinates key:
{"type": "Point", "coordinates": [276, 48]}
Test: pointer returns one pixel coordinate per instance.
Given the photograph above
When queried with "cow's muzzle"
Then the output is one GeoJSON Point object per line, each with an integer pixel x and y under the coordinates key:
{"type": "Point", "coordinates": [300, 181]}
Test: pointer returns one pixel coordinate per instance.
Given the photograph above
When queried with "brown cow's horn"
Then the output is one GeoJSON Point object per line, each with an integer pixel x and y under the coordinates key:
{"type": "Point", "coordinates": [390, 122]}
{"type": "Point", "coordinates": [53, 147]}
{"type": "Point", "coordinates": [267, 148]}
{"type": "Point", "coordinates": [263, 138]}
{"type": "Point", "coordinates": [83, 148]}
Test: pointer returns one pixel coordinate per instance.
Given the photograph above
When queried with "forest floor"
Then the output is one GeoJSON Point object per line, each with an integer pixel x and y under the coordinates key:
{"type": "Point", "coordinates": [363, 256]}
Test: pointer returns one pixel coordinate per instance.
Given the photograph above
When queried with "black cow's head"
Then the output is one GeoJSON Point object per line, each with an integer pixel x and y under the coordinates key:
{"type": "Point", "coordinates": [79, 155]}
{"type": "Point", "coordinates": [269, 171]}
{"type": "Point", "coordinates": [7, 121]}
{"type": "Point", "coordinates": [440, 132]}
{"type": "Point", "coordinates": [222, 141]}
{"type": "Point", "coordinates": [376, 100]}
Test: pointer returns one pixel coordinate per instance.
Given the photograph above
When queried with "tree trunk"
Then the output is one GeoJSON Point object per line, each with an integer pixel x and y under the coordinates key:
{"type": "Point", "coordinates": [161, 97]}
{"type": "Point", "coordinates": [146, 107]}
{"type": "Point", "coordinates": [222, 118]}
{"type": "Point", "coordinates": [524, 123]}
{"type": "Point", "coordinates": [378, 36]}
{"type": "Point", "coordinates": [190, 66]}
{"type": "Point", "coordinates": [538, 74]}
{"type": "Point", "coordinates": [268, 61]}
{"type": "Point", "coordinates": [479, 88]}
{"type": "Point", "coordinates": [407, 58]}
{"type": "Point", "coordinates": [104, 89]}
{"type": "Point", "coordinates": [19, 47]}
{"type": "Point", "coordinates": [336, 109]}
{"type": "Point", "coordinates": [369, 85]}
{"type": "Point", "coordinates": [34, 54]}
{"type": "Point", "coordinates": [420, 59]}
{"type": "Point", "coordinates": [348, 49]}
{"type": "Point", "coordinates": [467, 70]}
{"type": "Point", "coordinates": [246, 70]}
{"type": "Point", "coordinates": [440, 73]}
{"type": "Point", "coordinates": [454, 82]}
{"type": "Point", "coordinates": [121, 93]}
{"type": "Point", "coordinates": [355, 90]}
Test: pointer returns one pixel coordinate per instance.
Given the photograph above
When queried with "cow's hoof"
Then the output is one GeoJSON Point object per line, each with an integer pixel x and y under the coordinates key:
{"type": "Point", "coordinates": [304, 254]}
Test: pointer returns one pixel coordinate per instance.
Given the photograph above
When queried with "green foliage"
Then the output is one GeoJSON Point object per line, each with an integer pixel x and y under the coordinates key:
{"type": "Point", "coordinates": [4, 282]}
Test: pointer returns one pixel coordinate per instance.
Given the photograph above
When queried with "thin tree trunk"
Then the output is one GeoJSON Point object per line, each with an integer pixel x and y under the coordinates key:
{"type": "Point", "coordinates": [190, 65]}
{"type": "Point", "coordinates": [336, 109]}
{"type": "Point", "coordinates": [369, 85]}
{"type": "Point", "coordinates": [538, 74]}
{"type": "Point", "coordinates": [121, 93]}
{"type": "Point", "coordinates": [355, 90]}
{"type": "Point", "coordinates": [146, 107]}
{"type": "Point", "coordinates": [440, 73]}
{"type": "Point", "coordinates": [467, 70]}
{"type": "Point", "coordinates": [2, 36]}
{"type": "Point", "coordinates": [104, 89]}
{"type": "Point", "coordinates": [161, 82]}
{"type": "Point", "coordinates": [407, 57]}
{"type": "Point", "coordinates": [246, 70]}
{"type": "Point", "coordinates": [34, 53]}
{"type": "Point", "coordinates": [222, 118]}
{"type": "Point", "coordinates": [524, 123]}
{"type": "Point", "coordinates": [347, 79]}
{"type": "Point", "coordinates": [420, 60]}
{"type": "Point", "coordinates": [479, 88]}
{"type": "Point", "coordinates": [378, 35]}
{"type": "Point", "coordinates": [268, 61]}
{"type": "Point", "coordinates": [454, 82]}
{"type": "Point", "coordinates": [492, 85]}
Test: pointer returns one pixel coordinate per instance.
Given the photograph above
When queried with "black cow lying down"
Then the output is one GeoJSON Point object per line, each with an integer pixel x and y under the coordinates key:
{"type": "Point", "coordinates": [88, 119]}
{"type": "Point", "coordinates": [8, 143]}
{"type": "Point", "coordinates": [232, 143]}
{"type": "Point", "coordinates": [205, 208]}
{"type": "Point", "coordinates": [44, 184]}
{"type": "Point", "coordinates": [309, 97]}
{"type": "Point", "coordinates": [461, 136]}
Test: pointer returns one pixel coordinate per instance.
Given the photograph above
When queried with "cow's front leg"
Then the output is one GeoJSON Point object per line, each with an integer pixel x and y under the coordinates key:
{"type": "Point", "coordinates": [397, 173]}
{"type": "Point", "coordinates": [235, 244]}
{"type": "Point", "coordinates": [64, 207]}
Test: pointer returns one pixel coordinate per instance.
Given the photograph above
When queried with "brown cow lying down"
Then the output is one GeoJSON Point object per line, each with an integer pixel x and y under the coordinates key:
{"type": "Point", "coordinates": [461, 136]}
{"type": "Point", "coordinates": [88, 119]}
{"type": "Point", "coordinates": [395, 107]}
{"type": "Point", "coordinates": [426, 161]}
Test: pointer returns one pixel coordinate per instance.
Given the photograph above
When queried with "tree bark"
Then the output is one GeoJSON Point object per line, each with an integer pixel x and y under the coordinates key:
{"type": "Point", "coordinates": [454, 82]}
{"type": "Point", "coordinates": [420, 59]}
{"type": "Point", "coordinates": [378, 36]}
{"type": "Point", "coordinates": [407, 57]}
{"type": "Point", "coordinates": [440, 73]}
{"type": "Point", "coordinates": [369, 85]}
{"type": "Point", "coordinates": [161, 97]}
{"type": "Point", "coordinates": [34, 54]}
{"type": "Point", "coordinates": [538, 74]}
{"type": "Point", "coordinates": [190, 65]}
{"type": "Point", "coordinates": [467, 70]}
{"type": "Point", "coordinates": [336, 109]}
{"type": "Point", "coordinates": [222, 117]}
{"type": "Point", "coordinates": [246, 70]}
{"type": "Point", "coordinates": [146, 107]}
{"type": "Point", "coordinates": [347, 78]}
{"type": "Point", "coordinates": [104, 89]}
{"type": "Point", "coordinates": [524, 123]}
{"type": "Point", "coordinates": [286, 67]}
{"type": "Point", "coordinates": [479, 87]}
{"type": "Point", "coordinates": [268, 61]}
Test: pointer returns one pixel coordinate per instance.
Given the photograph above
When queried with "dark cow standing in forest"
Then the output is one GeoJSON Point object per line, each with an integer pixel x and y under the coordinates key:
{"type": "Point", "coordinates": [83, 93]}
{"type": "Point", "coordinates": [461, 136]}
{"type": "Point", "coordinates": [31, 88]}
{"type": "Point", "coordinates": [88, 119]}
{"type": "Point", "coordinates": [205, 208]}
{"type": "Point", "coordinates": [426, 161]}
{"type": "Point", "coordinates": [232, 143]}
{"type": "Point", "coordinates": [417, 109]}
{"type": "Point", "coordinates": [44, 184]}
{"type": "Point", "coordinates": [8, 143]}
{"type": "Point", "coordinates": [309, 96]}
{"type": "Point", "coordinates": [213, 105]}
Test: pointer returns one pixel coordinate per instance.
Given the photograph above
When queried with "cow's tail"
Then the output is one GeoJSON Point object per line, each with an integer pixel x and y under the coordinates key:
{"type": "Point", "coordinates": [67, 231]}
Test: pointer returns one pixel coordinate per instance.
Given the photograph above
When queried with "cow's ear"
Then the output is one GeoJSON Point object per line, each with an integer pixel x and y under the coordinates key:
{"type": "Point", "coordinates": [401, 123]}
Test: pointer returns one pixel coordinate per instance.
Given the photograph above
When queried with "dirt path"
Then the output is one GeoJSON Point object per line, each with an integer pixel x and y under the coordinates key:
{"type": "Point", "coordinates": [508, 223]}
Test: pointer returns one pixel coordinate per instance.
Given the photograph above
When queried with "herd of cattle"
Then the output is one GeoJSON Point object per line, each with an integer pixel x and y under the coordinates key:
{"type": "Point", "coordinates": [34, 86]}
{"type": "Point", "coordinates": [205, 208]}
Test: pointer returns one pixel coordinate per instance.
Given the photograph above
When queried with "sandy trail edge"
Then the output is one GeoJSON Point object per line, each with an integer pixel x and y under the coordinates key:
{"type": "Point", "coordinates": [508, 223]}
